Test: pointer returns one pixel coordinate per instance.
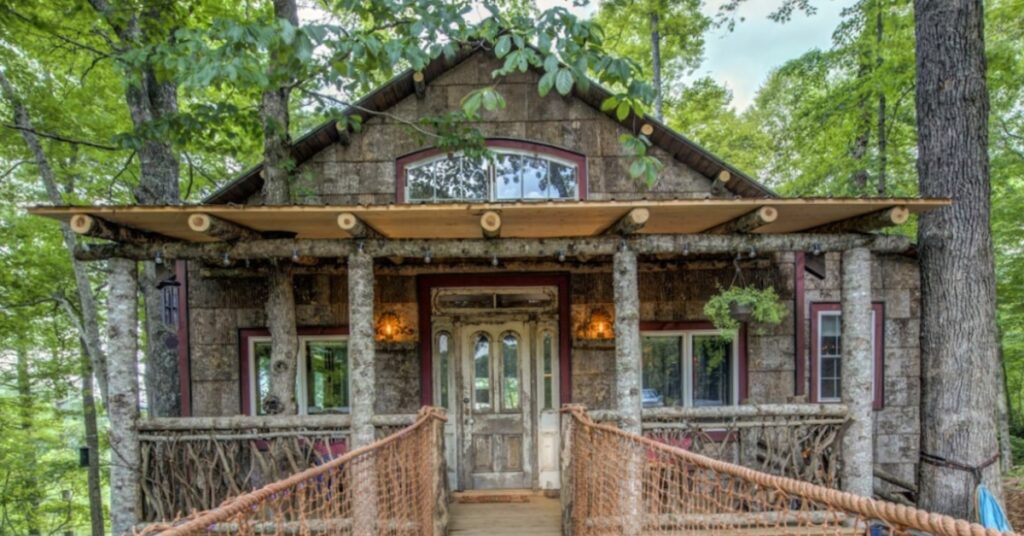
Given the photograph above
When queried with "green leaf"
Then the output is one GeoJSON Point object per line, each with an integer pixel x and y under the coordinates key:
{"type": "Point", "coordinates": [551, 63]}
{"type": "Point", "coordinates": [609, 104]}
{"type": "Point", "coordinates": [503, 47]}
{"type": "Point", "coordinates": [545, 84]}
{"type": "Point", "coordinates": [563, 81]}
{"type": "Point", "coordinates": [622, 112]}
{"type": "Point", "coordinates": [471, 104]}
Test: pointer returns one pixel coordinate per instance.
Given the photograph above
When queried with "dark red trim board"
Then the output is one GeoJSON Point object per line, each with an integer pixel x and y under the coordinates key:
{"type": "Point", "coordinates": [741, 346]}
{"type": "Point", "coordinates": [879, 327]}
{"type": "Point", "coordinates": [427, 282]}
{"type": "Point", "coordinates": [800, 325]}
{"type": "Point", "coordinates": [243, 355]}
{"type": "Point", "coordinates": [502, 143]}
{"type": "Point", "coordinates": [184, 351]}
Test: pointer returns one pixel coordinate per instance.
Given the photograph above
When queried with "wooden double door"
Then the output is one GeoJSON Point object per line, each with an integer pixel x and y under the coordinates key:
{"type": "Point", "coordinates": [503, 385]}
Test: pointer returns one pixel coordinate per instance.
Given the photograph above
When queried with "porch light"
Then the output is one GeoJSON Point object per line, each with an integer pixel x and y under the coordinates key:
{"type": "Point", "coordinates": [599, 325]}
{"type": "Point", "coordinates": [390, 327]}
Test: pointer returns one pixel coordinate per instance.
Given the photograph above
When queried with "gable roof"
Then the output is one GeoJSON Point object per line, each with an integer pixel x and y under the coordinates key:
{"type": "Point", "coordinates": [400, 87]}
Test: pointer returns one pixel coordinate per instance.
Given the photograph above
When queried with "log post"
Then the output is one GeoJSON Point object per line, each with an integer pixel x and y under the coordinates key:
{"type": "Point", "coordinates": [567, 493]}
{"type": "Point", "coordinates": [284, 343]}
{"type": "Point", "coordinates": [627, 340]}
{"type": "Point", "coordinates": [857, 373]}
{"type": "Point", "coordinates": [123, 385]}
{"type": "Point", "coordinates": [490, 224]}
{"type": "Point", "coordinates": [361, 345]}
{"type": "Point", "coordinates": [440, 475]}
{"type": "Point", "coordinates": [362, 378]}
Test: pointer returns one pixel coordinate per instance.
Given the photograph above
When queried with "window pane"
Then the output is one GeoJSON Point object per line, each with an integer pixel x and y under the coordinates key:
{"type": "Point", "coordinates": [261, 354]}
{"type": "Point", "coordinates": [548, 376]}
{"type": "Point", "coordinates": [712, 371]}
{"type": "Point", "coordinates": [420, 187]}
{"type": "Point", "coordinates": [443, 355]}
{"type": "Point", "coordinates": [507, 176]}
{"type": "Point", "coordinates": [482, 373]}
{"type": "Point", "coordinates": [563, 181]}
{"type": "Point", "coordinates": [662, 376]}
{"type": "Point", "coordinates": [327, 377]}
{"type": "Point", "coordinates": [510, 367]}
{"type": "Point", "coordinates": [535, 178]}
{"type": "Point", "coordinates": [830, 325]}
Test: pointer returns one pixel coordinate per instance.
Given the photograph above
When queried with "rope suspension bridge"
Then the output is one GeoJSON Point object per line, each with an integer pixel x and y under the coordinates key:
{"type": "Point", "coordinates": [616, 483]}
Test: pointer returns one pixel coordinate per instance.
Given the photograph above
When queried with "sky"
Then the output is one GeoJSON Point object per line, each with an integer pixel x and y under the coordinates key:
{"type": "Point", "coordinates": [743, 58]}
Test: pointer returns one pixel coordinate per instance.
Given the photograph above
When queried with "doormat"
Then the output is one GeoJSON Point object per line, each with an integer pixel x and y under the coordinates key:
{"type": "Point", "coordinates": [492, 498]}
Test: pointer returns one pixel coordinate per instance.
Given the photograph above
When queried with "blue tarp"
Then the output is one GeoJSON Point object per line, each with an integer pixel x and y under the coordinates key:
{"type": "Point", "coordinates": [990, 512]}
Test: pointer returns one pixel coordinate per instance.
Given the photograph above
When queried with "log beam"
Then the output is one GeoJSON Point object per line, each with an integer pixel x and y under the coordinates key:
{"type": "Point", "coordinates": [857, 372]}
{"type": "Point", "coordinates": [631, 223]}
{"type": "Point", "coordinates": [490, 224]}
{"type": "Point", "coordinates": [868, 222]}
{"type": "Point", "coordinates": [723, 178]}
{"type": "Point", "coordinates": [342, 129]}
{"type": "Point", "coordinates": [96, 227]}
{"type": "Point", "coordinates": [221, 229]}
{"type": "Point", "coordinates": [746, 223]}
{"type": "Point", "coordinates": [355, 227]}
{"type": "Point", "coordinates": [509, 248]}
{"type": "Point", "coordinates": [419, 83]}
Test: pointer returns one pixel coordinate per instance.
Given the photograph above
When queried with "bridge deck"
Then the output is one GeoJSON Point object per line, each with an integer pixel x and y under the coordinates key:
{"type": "Point", "coordinates": [500, 514]}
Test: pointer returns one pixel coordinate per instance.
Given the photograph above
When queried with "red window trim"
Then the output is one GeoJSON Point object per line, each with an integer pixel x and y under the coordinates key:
{"type": "Point", "coordinates": [505, 143]}
{"type": "Point", "coordinates": [243, 355]}
{"type": "Point", "coordinates": [425, 283]}
{"type": "Point", "coordinates": [879, 376]}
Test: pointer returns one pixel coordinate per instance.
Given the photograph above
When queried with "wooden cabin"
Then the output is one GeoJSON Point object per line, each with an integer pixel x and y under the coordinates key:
{"type": "Point", "coordinates": [502, 290]}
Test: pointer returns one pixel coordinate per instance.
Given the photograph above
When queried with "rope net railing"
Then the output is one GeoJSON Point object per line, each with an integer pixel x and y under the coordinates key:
{"type": "Point", "coordinates": [622, 483]}
{"type": "Point", "coordinates": [394, 486]}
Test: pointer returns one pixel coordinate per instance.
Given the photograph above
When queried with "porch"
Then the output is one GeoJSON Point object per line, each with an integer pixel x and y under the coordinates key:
{"type": "Point", "coordinates": [613, 482]}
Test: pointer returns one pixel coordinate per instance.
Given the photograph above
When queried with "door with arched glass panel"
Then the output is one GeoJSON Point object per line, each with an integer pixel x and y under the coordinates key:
{"type": "Point", "coordinates": [497, 431]}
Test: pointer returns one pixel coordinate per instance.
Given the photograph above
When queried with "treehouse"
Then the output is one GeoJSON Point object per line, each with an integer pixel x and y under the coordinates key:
{"type": "Point", "coordinates": [502, 289]}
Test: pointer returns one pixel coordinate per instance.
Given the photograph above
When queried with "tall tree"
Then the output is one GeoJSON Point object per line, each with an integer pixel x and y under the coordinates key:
{"type": "Point", "coordinates": [959, 344]}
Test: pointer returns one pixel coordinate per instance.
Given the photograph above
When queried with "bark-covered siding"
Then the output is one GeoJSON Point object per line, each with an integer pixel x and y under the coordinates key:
{"type": "Point", "coordinates": [364, 171]}
{"type": "Point", "coordinates": [896, 284]}
{"type": "Point", "coordinates": [219, 308]}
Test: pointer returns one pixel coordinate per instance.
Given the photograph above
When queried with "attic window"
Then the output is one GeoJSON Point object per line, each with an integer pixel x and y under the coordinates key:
{"type": "Point", "coordinates": [519, 171]}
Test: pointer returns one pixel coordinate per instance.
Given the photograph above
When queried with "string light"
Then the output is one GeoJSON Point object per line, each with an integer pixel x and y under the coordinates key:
{"type": "Point", "coordinates": [686, 249]}
{"type": "Point", "coordinates": [494, 260]}
{"type": "Point", "coordinates": [295, 255]}
{"type": "Point", "coordinates": [753, 252]}
{"type": "Point", "coordinates": [159, 258]}
{"type": "Point", "coordinates": [816, 248]}
{"type": "Point", "coordinates": [561, 256]}
{"type": "Point", "coordinates": [227, 260]}
{"type": "Point", "coordinates": [426, 257]}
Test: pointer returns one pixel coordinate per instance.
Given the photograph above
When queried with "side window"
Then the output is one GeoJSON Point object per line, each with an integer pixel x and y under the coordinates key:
{"type": "Point", "coordinates": [321, 379]}
{"type": "Point", "coordinates": [827, 353]}
{"type": "Point", "coordinates": [261, 374]}
{"type": "Point", "coordinates": [442, 350]}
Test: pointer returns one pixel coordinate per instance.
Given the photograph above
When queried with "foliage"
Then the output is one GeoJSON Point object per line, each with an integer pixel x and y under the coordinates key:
{"type": "Point", "coordinates": [765, 305]}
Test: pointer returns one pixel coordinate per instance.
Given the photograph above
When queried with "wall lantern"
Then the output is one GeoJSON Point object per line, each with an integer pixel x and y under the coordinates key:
{"type": "Point", "coordinates": [390, 327]}
{"type": "Point", "coordinates": [599, 325]}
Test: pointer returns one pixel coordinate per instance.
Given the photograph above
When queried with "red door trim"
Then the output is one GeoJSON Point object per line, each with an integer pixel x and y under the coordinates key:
{"type": "Point", "coordinates": [427, 282]}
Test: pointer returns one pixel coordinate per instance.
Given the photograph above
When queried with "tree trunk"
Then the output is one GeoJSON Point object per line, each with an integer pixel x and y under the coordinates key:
{"type": "Point", "coordinates": [123, 346]}
{"type": "Point", "coordinates": [32, 493]}
{"type": "Point", "coordinates": [882, 136]}
{"type": "Point", "coordinates": [627, 340]}
{"type": "Point", "coordinates": [92, 442]}
{"type": "Point", "coordinates": [284, 343]}
{"type": "Point", "coordinates": [89, 330]}
{"type": "Point", "coordinates": [656, 65]}
{"type": "Point", "coordinates": [959, 359]}
{"type": "Point", "coordinates": [857, 368]}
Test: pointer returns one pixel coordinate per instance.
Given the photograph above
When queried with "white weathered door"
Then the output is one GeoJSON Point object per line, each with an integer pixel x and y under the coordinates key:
{"type": "Point", "coordinates": [497, 425]}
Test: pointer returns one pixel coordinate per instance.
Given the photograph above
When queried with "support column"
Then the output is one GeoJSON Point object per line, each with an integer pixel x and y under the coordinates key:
{"type": "Point", "coordinates": [284, 343]}
{"type": "Point", "coordinates": [361, 346]}
{"type": "Point", "coordinates": [627, 340]}
{"type": "Point", "coordinates": [123, 385]}
{"type": "Point", "coordinates": [857, 373]}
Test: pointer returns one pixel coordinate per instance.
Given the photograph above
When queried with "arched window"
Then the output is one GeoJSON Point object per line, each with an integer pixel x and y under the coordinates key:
{"type": "Point", "coordinates": [518, 171]}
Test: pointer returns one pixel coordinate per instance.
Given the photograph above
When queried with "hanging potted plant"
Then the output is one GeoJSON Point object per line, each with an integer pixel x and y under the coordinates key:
{"type": "Point", "coordinates": [735, 305]}
{"type": "Point", "coordinates": [740, 303]}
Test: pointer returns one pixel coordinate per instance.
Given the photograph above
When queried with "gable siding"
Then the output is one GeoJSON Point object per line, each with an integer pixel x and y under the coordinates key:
{"type": "Point", "coordinates": [364, 171]}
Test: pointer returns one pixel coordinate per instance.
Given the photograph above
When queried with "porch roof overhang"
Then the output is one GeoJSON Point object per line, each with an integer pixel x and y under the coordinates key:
{"type": "Point", "coordinates": [523, 220]}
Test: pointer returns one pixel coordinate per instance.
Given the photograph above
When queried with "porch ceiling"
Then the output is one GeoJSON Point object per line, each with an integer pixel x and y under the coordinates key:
{"type": "Point", "coordinates": [518, 220]}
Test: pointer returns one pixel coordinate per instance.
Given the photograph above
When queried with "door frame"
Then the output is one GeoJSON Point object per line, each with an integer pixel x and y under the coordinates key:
{"type": "Point", "coordinates": [426, 283]}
